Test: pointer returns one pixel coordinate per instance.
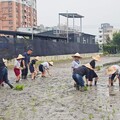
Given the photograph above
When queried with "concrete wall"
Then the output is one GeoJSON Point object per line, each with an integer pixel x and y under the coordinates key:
{"type": "Point", "coordinates": [56, 58]}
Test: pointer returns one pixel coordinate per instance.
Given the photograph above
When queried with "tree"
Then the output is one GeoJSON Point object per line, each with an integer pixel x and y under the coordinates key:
{"type": "Point", "coordinates": [116, 39]}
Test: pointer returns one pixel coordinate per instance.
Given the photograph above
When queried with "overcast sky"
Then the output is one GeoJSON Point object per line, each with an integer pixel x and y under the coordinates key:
{"type": "Point", "coordinates": [95, 12]}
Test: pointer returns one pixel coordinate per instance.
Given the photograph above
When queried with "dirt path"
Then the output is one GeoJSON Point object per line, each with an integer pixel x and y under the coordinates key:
{"type": "Point", "coordinates": [55, 98]}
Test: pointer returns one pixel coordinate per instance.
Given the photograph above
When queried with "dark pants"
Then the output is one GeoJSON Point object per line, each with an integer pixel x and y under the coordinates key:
{"type": "Point", "coordinates": [78, 79]}
{"type": "Point", "coordinates": [4, 76]}
{"type": "Point", "coordinates": [24, 73]}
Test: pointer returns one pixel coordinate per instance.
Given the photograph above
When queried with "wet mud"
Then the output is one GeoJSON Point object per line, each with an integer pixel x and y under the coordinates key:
{"type": "Point", "coordinates": [55, 98]}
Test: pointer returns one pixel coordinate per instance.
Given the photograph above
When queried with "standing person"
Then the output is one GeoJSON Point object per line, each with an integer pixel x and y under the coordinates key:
{"type": "Point", "coordinates": [79, 73]}
{"type": "Point", "coordinates": [114, 73]}
{"type": "Point", "coordinates": [4, 74]}
{"type": "Point", "coordinates": [25, 63]}
{"type": "Point", "coordinates": [76, 63]}
{"type": "Point", "coordinates": [33, 68]}
{"type": "Point", "coordinates": [92, 73]}
{"type": "Point", "coordinates": [43, 67]}
{"type": "Point", "coordinates": [17, 67]}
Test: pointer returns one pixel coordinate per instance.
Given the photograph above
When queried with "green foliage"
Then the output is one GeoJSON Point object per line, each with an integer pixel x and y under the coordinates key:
{"type": "Point", "coordinates": [91, 116]}
{"type": "Point", "coordinates": [116, 39]}
{"type": "Point", "coordinates": [19, 87]}
{"type": "Point", "coordinates": [111, 49]}
{"type": "Point", "coordinates": [85, 88]}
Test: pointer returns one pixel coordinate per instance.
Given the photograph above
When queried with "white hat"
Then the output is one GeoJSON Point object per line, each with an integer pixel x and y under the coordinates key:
{"type": "Point", "coordinates": [88, 66]}
{"type": "Point", "coordinates": [77, 55]}
{"type": "Point", "coordinates": [4, 60]}
{"type": "Point", "coordinates": [111, 70]}
{"type": "Point", "coordinates": [19, 57]}
{"type": "Point", "coordinates": [96, 57]}
{"type": "Point", "coordinates": [51, 63]}
{"type": "Point", "coordinates": [37, 58]}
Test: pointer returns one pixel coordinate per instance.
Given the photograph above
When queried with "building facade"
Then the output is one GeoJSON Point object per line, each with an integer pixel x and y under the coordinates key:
{"type": "Point", "coordinates": [17, 13]}
{"type": "Point", "coordinates": [106, 32]}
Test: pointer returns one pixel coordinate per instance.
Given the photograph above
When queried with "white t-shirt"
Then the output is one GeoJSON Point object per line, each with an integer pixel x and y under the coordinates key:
{"type": "Point", "coordinates": [75, 64]}
{"type": "Point", "coordinates": [118, 68]}
{"type": "Point", "coordinates": [45, 65]}
{"type": "Point", "coordinates": [17, 63]}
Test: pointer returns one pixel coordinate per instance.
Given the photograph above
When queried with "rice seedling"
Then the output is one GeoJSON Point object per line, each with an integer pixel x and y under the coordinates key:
{"type": "Point", "coordinates": [19, 87]}
{"type": "Point", "coordinates": [91, 116]}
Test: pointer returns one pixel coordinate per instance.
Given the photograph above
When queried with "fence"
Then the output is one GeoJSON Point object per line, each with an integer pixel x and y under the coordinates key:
{"type": "Point", "coordinates": [10, 47]}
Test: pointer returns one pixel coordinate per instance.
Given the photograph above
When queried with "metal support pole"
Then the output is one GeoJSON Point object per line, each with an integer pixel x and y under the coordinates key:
{"type": "Point", "coordinates": [59, 24]}
{"type": "Point", "coordinates": [81, 25]}
{"type": "Point", "coordinates": [67, 27]}
{"type": "Point", "coordinates": [32, 17]}
{"type": "Point", "coordinates": [73, 24]}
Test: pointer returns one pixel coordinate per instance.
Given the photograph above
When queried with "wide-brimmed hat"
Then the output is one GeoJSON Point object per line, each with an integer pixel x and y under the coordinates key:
{"type": "Point", "coordinates": [37, 58]}
{"type": "Point", "coordinates": [111, 70]}
{"type": "Point", "coordinates": [88, 66]}
{"type": "Point", "coordinates": [77, 55]}
{"type": "Point", "coordinates": [51, 63]}
{"type": "Point", "coordinates": [96, 57]}
{"type": "Point", "coordinates": [20, 57]}
{"type": "Point", "coordinates": [4, 60]}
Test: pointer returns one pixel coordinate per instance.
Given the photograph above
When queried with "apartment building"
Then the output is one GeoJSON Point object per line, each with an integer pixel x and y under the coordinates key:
{"type": "Point", "coordinates": [17, 13]}
{"type": "Point", "coordinates": [106, 32]}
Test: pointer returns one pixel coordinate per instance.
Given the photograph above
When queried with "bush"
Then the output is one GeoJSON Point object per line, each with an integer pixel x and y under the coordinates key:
{"type": "Point", "coordinates": [110, 49]}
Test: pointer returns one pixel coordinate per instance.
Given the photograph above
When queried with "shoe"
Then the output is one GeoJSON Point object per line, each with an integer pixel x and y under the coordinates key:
{"type": "Point", "coordinates": [112, 84]}
{"type": "Point", "coordinates": [77, 87]}
{"type": "Point", "coordinates": [11, 86]}
{"type": "Point", "coordinates": [2, 85]}
{"type": "Point", "coordinates": [43, 76]}
{"type": "Point", "coordinates": [90, 85]}
{"type": "Point", "coordinates": [75, 84]}
{"type": "Point", "coordinates": [95, 83]}
{"type": "Point", "coordinates": [86, 84]}
{"type": "Point", "coordinates": [82, 89]}
{"type": "Point", "coordinates": [17, 81]}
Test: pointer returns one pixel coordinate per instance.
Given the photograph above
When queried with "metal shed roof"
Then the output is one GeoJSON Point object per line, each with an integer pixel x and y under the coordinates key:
{"type": "Point", "coordinates": [71, 15]}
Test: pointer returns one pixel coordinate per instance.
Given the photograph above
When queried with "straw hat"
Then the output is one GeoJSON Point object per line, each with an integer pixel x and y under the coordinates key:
{"type": "Point", "coordinates": [19, 57]}
{"type": "Point", "coordinates": [96, 57]}
{"type": "Point", "coordinates": [77, 55]}
{"type": "Point", "coordinates": [111, 70]}
{"type": "Point", "coordinates": [5, 61]}
{"type": "Point", "coordinates": [37, 58]}
{"type": "Point", "coordinates": [88, 66]}
{"type": "Point", "coordinates": [51, 63]}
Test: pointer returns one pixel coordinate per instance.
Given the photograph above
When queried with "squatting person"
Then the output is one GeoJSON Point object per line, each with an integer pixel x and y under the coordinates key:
{"type": "Point", "coordinates": [79, 73]}
{"type": "Point", "coordinates": [33, 68]}
{"type": "Point", "coordinates": [92, 74]}
{"type": "Point", "coordinates": [114, 73]}
{"type": "Point", "coordinates": [43, 67]}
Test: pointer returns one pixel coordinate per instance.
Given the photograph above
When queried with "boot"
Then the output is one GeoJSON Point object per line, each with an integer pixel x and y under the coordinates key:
{"type": "Point", "coordinates": [77, 87]}
{"type": "Point", "coordinates": [112, 84]}
{"type": "Point", "coordinates": [10, 86]}
{"type": "Point", "coordinates": [95, 83]}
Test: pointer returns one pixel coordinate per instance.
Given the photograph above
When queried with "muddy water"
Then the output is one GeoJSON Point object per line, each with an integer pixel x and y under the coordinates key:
{"type": "Point", "coordinates": [55, 98]}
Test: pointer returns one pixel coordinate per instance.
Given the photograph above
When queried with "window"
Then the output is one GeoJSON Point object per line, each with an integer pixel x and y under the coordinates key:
{"type": "Point", "coordinates": [10, 15]}
{"type": "Point", "coordinates": [10, 22]}
{"type": "Point", "coordinates": [9, 2]}
{"type": "Point", "coordinates": [100, 36]}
